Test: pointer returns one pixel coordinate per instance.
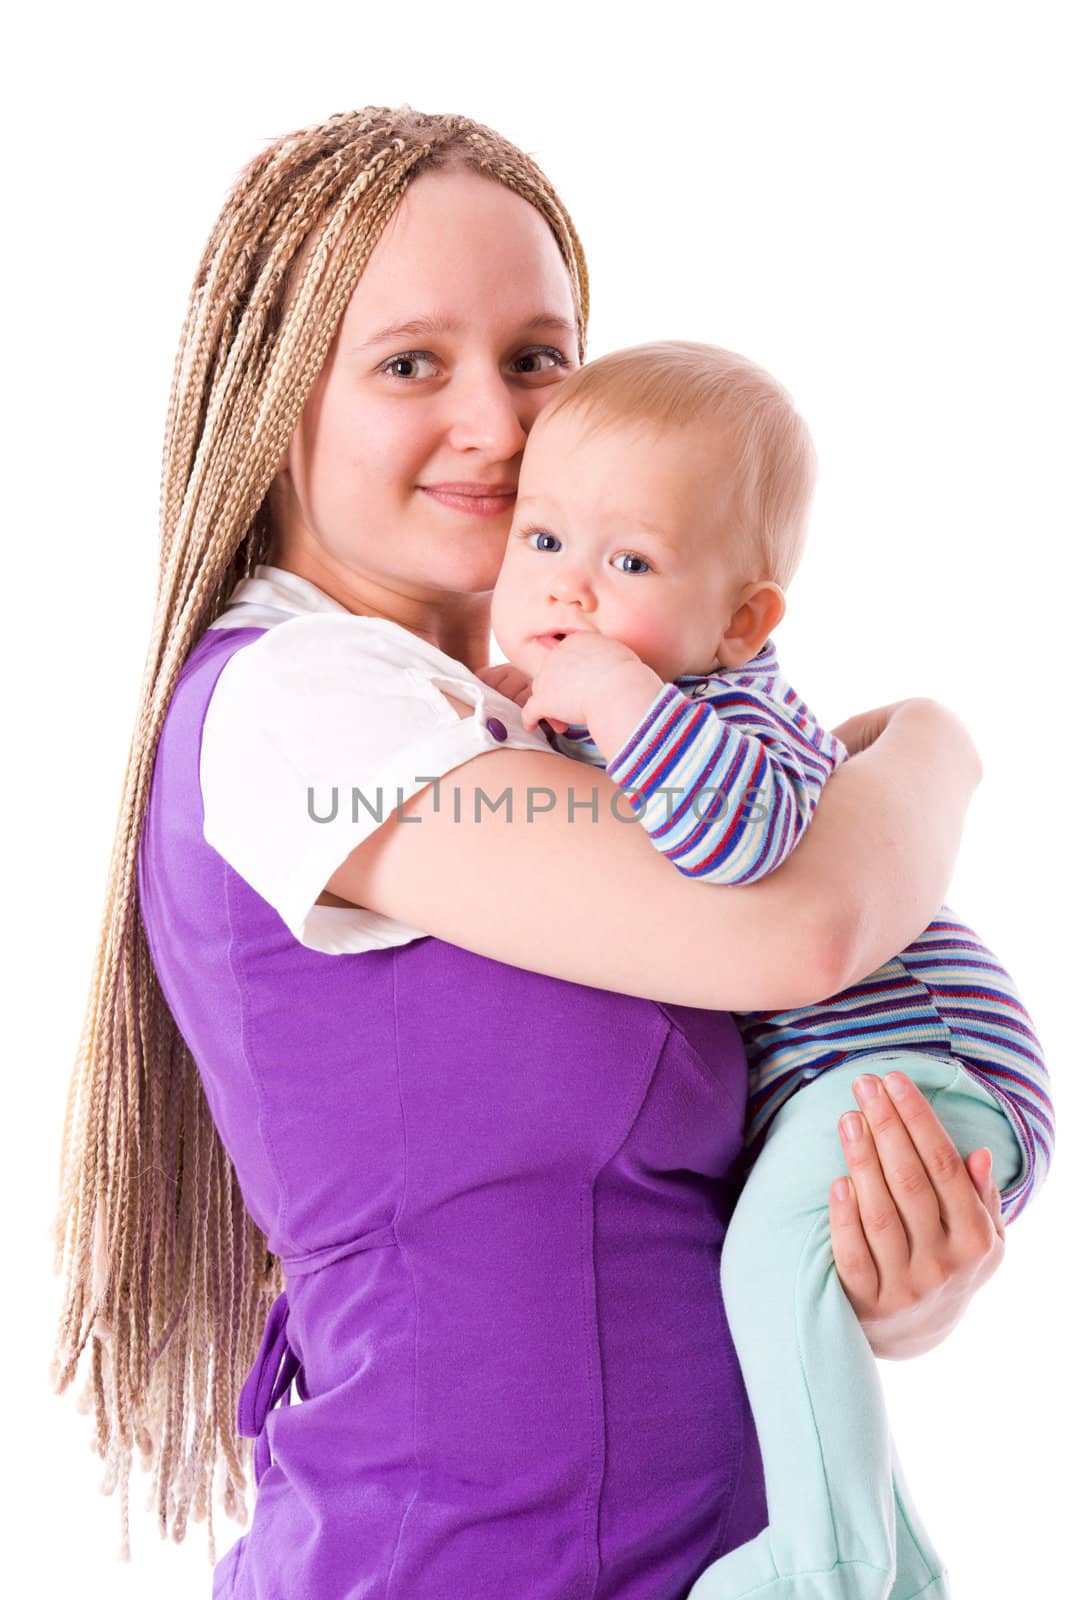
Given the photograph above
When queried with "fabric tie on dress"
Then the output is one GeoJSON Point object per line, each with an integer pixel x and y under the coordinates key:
{"type": "Point", "coordinates": [269, 1383]}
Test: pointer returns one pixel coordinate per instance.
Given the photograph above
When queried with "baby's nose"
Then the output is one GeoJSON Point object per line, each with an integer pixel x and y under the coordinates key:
{"type": "Point", "coordinates": [573, 585]}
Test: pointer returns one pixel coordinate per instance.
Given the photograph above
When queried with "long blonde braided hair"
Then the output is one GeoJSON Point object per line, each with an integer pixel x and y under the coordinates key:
{"type": "Point", "coordinates": [167, 1274]}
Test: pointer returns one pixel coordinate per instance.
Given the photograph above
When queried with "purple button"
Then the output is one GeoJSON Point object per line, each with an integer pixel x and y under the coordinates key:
{"type": "Point", "coordinates": [496, 728]}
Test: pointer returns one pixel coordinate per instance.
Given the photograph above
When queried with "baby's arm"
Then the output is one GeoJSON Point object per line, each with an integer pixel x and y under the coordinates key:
{"type": "Point", "coordinates": [727, 784]}
{"type": "Point", "coordinates": [731, 781]}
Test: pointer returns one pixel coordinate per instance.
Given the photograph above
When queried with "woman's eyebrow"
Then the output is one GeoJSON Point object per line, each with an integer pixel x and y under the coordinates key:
{"type": "Point", "coordinates": [427, 327]}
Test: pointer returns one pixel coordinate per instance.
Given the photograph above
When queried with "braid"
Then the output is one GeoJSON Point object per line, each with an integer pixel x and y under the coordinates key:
{"type": "Point", "coordinates": [167, 1274]}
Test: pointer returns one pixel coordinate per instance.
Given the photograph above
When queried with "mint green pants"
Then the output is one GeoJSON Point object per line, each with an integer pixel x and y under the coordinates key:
{"type": "Point", "coordinates": [841, 1522]}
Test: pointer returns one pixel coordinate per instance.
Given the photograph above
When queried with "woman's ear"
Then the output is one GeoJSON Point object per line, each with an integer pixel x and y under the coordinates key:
{"type": "Point", "coordinates": [761, 609]}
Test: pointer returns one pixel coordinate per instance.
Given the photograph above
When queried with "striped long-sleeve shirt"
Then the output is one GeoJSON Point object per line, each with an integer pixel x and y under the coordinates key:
{"type": "Point", "coordinates": [725, 772]}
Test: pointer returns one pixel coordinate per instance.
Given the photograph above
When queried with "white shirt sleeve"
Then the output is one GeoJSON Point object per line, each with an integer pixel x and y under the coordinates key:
{"type": "Point", "coordinates": [315, 733]}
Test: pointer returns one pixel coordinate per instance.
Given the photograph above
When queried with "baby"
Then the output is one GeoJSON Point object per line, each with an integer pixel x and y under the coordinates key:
{"type": "Point", "coordinates": [661, 514]}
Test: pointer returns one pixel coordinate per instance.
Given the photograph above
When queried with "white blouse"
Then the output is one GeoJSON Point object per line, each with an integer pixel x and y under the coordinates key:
{"type": "Point", "coordinates": [316, 732]}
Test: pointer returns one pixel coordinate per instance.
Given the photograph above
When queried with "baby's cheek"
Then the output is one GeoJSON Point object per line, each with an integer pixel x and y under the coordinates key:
{"type": "Point", "coordinates": [649, 637]}
{"type": "Point", "coordinates": [509, 615]}
{"type": "Point", "coordinates": [502, 608]}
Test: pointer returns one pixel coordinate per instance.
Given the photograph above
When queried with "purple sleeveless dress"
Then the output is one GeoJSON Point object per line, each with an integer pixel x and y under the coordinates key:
{"type": "Point", "coordinates": [499, 1200]}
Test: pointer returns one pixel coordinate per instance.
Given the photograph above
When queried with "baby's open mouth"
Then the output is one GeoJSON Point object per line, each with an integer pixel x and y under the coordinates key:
{"type": "Point", "coordinates": [555, 638]}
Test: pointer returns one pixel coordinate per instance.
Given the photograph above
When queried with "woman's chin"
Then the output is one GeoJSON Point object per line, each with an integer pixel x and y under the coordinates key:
{"type": "Point", "coordinates": [470, 565]}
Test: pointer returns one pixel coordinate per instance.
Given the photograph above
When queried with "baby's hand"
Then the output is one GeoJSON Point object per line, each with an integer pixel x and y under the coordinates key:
{"type": "Point", "coordinates": [514, 683]}
{"type": "Point", "coordinates": [575, 677]}
{"type": "Point", "coordinates": [508, 680]}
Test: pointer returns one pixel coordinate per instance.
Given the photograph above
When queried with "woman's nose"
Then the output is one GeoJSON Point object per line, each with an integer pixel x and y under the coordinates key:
{"type": "Point", "coordinates": [486, 418]}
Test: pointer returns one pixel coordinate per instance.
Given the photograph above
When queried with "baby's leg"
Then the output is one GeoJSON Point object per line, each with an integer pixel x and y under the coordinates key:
{"type": "Point", "coordinates": [841, 1524]}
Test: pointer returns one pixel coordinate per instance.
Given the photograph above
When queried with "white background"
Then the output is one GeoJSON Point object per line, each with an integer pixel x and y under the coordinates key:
{"type": "Point", "coordinates": [868, 201]}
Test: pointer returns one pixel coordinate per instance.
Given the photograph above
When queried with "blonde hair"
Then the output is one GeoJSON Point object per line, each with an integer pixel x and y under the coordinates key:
{"type": "Point", "coordinates": [673, 383]}
{"type": "Point", "coordinates": [166, 1271]}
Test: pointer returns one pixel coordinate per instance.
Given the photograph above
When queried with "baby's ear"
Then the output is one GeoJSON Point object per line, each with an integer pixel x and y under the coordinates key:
{"type": "Point", "coordinates": [759, 611]}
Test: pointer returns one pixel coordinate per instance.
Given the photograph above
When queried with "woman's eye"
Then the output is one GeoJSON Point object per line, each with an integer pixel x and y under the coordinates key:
{"type": "Point", "coordinates": [629, 556]}
{"type": "Point", "coordinates": [405, 367]}
{"type": "Point", "coordinates": [557, 358]}
{"type": "Point", "coordinates": [409, 360]}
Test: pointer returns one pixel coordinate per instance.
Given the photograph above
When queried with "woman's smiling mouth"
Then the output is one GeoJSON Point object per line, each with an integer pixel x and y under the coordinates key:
{"type": "Point", "coordinates": [477, 499]}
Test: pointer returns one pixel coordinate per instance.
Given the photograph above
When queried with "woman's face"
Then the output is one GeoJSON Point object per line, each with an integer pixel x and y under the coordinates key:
{"type": "Point", "coordinates": [397, 489]}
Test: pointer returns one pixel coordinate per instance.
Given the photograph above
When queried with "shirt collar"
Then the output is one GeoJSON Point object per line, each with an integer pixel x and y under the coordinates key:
{"type": "Point", "coordinates": [281, 591]}
{"type": "Point", "coordinates": [764, 663]}
{"type": "Point", "coordinates": [272, 594]}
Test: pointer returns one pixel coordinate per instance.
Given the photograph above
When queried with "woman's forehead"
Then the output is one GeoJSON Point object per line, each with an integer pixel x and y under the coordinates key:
{"type": "Point", "coordinates": [462, 251]}
{"type": "Point", "coordinates": [435, 324]}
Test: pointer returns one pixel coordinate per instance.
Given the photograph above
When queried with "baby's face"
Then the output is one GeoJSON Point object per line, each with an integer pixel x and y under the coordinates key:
{"type": "Point", "coordinates": [611, 534]}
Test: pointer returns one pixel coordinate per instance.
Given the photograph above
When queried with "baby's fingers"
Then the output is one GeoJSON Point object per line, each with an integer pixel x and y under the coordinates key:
{"type": "Point", "coordinates": [531, 713]}
{"type": "Point", "coordinates": [507, 680]}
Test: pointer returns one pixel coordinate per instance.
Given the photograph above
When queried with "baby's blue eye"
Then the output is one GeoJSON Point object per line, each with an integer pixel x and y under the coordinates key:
{"type": "Point", "coordinates": [539, 534]}
{"type": "Point", "coordinates": [550, 544]}
{"type": "Point", "coordinates": [628, 556]}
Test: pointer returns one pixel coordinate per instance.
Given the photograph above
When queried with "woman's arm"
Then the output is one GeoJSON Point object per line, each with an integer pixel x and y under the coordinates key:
{"type": "Point", "coordinates": [920, 770]}
{"type": "Point", "coordinates": [594, 902]}
{"type": "Point", "coordinates": [568, 888]}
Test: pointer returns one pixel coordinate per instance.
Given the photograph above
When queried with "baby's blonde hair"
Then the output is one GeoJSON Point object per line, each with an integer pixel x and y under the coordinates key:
{"type": "Point", "coordinates": [166, 1271]}
{"type": "Point", "coordinates": [673, 383]}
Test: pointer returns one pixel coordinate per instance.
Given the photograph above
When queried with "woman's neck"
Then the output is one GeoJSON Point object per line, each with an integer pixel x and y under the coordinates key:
{"type": "Point", "coordinates": [457, 624]}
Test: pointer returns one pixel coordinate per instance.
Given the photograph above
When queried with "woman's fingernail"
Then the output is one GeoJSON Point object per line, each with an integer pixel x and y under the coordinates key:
{"type": "Point", "coordinates": [866, 1089]}
{"type": "Point", "coordinates": [897, 1084]}
{"type": "Point", "coordinates": [852, 1124]}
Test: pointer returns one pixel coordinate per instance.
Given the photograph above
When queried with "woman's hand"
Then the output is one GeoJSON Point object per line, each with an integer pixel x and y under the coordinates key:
{"type": "Point", "coordinates": [920, 1229]}
{"type": "Point", "coordinates": [859, 732]}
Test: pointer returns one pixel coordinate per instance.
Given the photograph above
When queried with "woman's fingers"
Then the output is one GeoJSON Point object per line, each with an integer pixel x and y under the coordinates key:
{"type": "Point", "coordinates": [878, 1214]}
{"type": "Point", "coordinates": [980, 1166]}
{"type": "Point", "coordinates": [908, 1163]}
{"type": "Point", "coordinates": [852, 1255]}
{"type": "Point", "coordinates": [920, 1165]}
{"type": "Point", "coordinates": [960, 1205]}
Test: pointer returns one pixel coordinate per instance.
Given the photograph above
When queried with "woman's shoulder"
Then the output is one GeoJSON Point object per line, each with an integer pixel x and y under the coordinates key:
{"type": "Point", "coordinates": [323, 681]}
{"type": "Point", "coordinates": [307, 638]}
{"type": "Point", "coordinates": [317, 728]}
{"type": "Point", "coordinates": [362, 661]}
{"type": "Point", "coordinates": [339, 640]}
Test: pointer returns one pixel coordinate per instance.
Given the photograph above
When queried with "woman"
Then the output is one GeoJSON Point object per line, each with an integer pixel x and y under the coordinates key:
{"type": "Point", "coordinates": [493, 1165]}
